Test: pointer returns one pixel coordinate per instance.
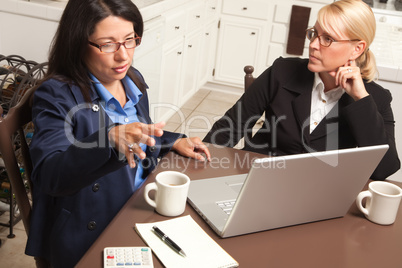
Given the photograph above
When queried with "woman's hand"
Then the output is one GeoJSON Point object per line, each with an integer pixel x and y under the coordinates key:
{"type": "Point", "coordinates": [192, 147]}
{"type": "Point", "coordinates": [349, 78]}
{"type": "Point", "coordinates": [127, 138]}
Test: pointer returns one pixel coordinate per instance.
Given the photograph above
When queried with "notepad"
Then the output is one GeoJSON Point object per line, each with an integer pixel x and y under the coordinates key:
{"type": "Point", "coordinates": [200, 248]}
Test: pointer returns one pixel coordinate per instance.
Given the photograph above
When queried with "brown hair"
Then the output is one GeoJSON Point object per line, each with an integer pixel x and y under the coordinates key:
{"type": "Point", "coordinates": [67, 54]}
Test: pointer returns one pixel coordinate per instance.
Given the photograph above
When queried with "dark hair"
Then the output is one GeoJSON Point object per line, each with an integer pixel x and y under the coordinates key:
{"type": "Point", "coordinates": [67, 53]}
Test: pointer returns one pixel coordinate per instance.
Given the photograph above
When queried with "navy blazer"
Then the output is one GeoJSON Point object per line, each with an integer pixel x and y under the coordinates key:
{"type": "Point", "coordinates": [79, 180]}
{"type": "Point", "coordinates": [283, 93]}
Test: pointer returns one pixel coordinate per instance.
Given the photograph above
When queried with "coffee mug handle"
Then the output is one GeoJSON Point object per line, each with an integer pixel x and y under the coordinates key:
{"type": "Point", "coordinates": [359, 199]}
{"type": "Point", "coordinates": [149, 187]}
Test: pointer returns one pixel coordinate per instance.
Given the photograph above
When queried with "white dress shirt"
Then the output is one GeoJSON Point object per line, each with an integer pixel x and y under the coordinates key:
{"type": "Point", "coordinates": [322, 102]}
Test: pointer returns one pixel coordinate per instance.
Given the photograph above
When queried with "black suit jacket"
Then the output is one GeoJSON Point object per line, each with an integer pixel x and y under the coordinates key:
{"type": "Point", "coordinates": [283, 93]}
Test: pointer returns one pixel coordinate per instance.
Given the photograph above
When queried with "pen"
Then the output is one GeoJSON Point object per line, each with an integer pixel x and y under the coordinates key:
{"type": "Point", "coordinates": [168, 241]}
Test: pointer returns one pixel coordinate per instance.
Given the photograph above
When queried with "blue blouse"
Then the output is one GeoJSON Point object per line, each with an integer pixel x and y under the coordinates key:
{"type": "Point", "coordinates": [122, 115]}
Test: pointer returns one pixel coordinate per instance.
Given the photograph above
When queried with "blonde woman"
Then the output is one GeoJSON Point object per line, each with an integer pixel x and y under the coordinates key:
{"type": "Point", "coordinates": [328, 101]}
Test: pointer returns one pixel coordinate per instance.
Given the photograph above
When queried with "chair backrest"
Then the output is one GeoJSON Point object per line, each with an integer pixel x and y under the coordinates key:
{"type": "Point", "coordinates": [16, 77]}
{"type": "Point", "coordinates": [248, 78]}
{"type": "Point", "coordinates": [13, 139]}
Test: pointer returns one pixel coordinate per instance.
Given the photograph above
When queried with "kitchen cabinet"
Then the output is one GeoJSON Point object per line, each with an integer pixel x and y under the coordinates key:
{"type": "Point", "coordinates": [255, 33]}
{"type": "Point", "coordinates": [209, 42]}
{"type": "Point", "coordinates": [191, 63]}
{"type": "Point", "coordinates": [208, 53]}
{"type": "Point", "coordinates": [240, 42]}
{"type": "Point", "coordinates": [147, 59]}
{"type": "Point", "coordinates": [279, 23]}
{"type": "Point", "coordinates": [171, 67]}
{"type": "Point", "coordinates": [181, 64]}
{"type": "Point", "coordinates": [242, 34]}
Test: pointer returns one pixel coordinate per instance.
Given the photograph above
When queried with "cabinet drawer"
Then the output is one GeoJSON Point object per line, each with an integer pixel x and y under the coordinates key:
{"type": "Point", "coordinates": [256, 9]}
{"type": "Point", "coordinates": [211, 9]}
{"type": "Point", "coordinates": [153, 37]}
{"type": "Point", "coordinates": [195, 16]}
{"type": "Point", "coordinates": [175, 25]}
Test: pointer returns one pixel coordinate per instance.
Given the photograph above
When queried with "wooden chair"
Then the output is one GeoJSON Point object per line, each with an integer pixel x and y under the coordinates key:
{"type": "Point", "coordinates": [12, 140]}
{"type": "Point", "coordinates": [248, 78]}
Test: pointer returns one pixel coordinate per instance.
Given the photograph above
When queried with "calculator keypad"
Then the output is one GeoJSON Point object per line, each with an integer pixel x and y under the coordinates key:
{"type": "Point", "coordinates": [140, 257]}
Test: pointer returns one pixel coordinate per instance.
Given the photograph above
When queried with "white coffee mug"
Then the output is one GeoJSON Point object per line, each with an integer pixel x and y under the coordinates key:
{"type": "Point", "coordinates": [171, 189]}
{"type": "Point", "coordinates": [382, 202]}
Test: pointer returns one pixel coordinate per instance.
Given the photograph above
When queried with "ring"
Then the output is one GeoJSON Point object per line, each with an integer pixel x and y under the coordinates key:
{"type": "Point", "coordinates": [349, 70]}
{"type": "Point", "coordinates": [130, 147]}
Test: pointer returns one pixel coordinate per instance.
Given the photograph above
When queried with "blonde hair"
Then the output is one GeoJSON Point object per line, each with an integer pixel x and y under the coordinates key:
{"type": "Point", "coordinates": [355, 19]}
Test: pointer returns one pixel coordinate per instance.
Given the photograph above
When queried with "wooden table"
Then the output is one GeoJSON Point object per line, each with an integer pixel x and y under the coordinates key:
{"type": "Point", "coordinates": [351, 241]}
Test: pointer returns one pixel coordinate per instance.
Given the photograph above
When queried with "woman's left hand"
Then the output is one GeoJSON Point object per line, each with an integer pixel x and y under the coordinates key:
{"type": "Point", "coordinates": [192, 147]}
{"type": "Point", "coordinates": [350, 79]}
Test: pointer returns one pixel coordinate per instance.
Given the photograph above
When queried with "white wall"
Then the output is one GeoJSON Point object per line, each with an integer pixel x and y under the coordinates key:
{"type": "Point", "coordinates": [396, 91]}
{"type": "Point", "coordinates": [20, 34]}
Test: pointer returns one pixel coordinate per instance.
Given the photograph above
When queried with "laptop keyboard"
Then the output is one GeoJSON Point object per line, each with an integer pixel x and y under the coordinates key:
{"type": "Point", "coordinates": [227, 205]}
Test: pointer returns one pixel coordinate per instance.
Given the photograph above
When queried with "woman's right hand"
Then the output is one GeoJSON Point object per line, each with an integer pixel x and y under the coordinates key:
{"type": "Point", "coordinates": [127, 138]}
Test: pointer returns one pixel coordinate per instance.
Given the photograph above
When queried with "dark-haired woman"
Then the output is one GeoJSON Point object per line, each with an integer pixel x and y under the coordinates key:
{"type": "Point", "coordinates": [94, 141]}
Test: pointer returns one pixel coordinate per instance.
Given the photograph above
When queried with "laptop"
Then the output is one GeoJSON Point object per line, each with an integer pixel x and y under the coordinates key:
{"type": "Point", "coordinates": [285, 190]}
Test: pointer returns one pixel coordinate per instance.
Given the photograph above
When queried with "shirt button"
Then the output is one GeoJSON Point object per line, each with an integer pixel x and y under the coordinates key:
{"type": "Point", "coordinates": [126, 120]}
{"type": "Point", "coordinates": [91, 225]}
{"type": "Point", "coordinates": [315, 123]}
{"type": "Point", "coordinates": [96, 187]}
{"type": "Point", "coordinates": [324, 101]}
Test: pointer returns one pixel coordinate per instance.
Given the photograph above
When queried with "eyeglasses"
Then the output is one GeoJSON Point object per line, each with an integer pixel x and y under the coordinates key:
{"type": "Point", "coordinates": [115, 46]}
{"type": "Point", "coordinates": [325, 40]}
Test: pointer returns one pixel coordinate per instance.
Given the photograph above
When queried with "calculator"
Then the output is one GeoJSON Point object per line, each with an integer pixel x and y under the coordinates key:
{"type": "Point", "coordinates": [127, 257]}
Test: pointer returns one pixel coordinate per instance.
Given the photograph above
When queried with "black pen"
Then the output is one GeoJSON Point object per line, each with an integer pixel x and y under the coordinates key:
{"type": "Point", "coordinates": [168, 241]}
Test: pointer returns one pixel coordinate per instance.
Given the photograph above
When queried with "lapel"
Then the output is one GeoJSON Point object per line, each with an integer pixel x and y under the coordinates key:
{"type": "Point", "coordinates": [100, 116]}
{"type": "Point", "coordinates": [301, 86]}
{"type": "Point", "coordinates": [142, 110]}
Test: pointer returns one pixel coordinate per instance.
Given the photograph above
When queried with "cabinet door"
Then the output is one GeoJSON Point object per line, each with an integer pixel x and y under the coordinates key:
{"type": "Point", "coordinates": [149, 66]}
{"type": "Point", "coordinates": [170, 81]}
{"type": "Point", "coordinates": [208, 51]}
{"type": "Point", "coordinates": [239, 44]}
{"type": "Point", "coordinates": [148, 57]}
{"type": "Point", "coordinates": [192, 49]}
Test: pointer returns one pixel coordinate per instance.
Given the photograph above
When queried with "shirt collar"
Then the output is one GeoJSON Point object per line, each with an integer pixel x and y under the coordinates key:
{"type": "Point", "coordinates": [318, 88]}
{"type": "Point", "coordinates": [132, 91]}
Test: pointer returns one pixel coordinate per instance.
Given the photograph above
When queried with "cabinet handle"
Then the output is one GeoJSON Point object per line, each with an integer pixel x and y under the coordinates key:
{"type": "Point", "coordinates": [244, 8]}
{"type": "Point", "coordinates": [252, 33]}
{"type": "Point", "coordinates": [213, 8]}
{"type": "Point", "coordinates": [190, 46]}
{"type": "Point", "coordinates": [198, 16]}
{"type": "Point", "coordinates": [177, 27]}
{"type": "Point", "coordinates": [179, 53]}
